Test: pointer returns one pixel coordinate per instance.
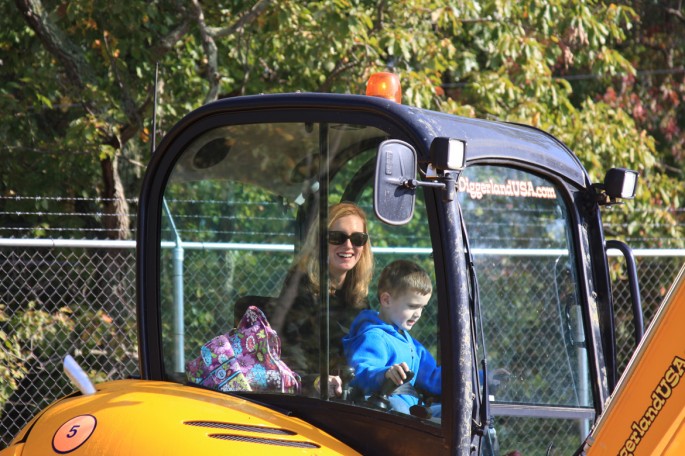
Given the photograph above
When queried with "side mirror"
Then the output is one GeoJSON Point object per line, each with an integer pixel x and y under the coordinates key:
{"type": "Point", "coordinates": [393, 199]}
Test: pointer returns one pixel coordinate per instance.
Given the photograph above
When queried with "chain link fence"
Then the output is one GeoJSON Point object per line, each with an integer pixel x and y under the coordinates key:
{"type": "Point", "coordinates": [656, 271]}
{"type": "Point", "coordinates": [54, 301]}
{"type": "Point", "coordinates": [78, 297]}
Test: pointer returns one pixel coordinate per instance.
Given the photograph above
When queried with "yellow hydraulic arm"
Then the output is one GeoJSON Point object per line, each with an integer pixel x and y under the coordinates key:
{"type": "Point", "coordinates": [646, 413]}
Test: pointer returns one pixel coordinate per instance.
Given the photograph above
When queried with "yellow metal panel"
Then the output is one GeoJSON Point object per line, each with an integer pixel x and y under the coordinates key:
{"type": "Point", "coordinates": [14, 450]}
{"type": "Point", "coordinates": [135, 417]}
{"type": "Point", "coordinates": [645, 414]}
{"type": "Point", "coordinates": [676, 445]}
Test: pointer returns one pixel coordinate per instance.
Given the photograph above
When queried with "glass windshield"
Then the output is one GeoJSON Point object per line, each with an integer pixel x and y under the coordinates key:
{"type": "Point", "coordinates": [257, 297]}
{"type": "Point", "coordinates": [520, 237]}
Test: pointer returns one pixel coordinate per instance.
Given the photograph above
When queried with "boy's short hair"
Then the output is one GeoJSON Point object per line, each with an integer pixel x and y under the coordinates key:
{"type": "Point", "coordinates": [401, 276]}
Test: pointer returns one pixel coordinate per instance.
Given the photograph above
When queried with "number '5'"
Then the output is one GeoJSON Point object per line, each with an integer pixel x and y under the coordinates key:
{"type": "Point", "coordinates": [72, 432]}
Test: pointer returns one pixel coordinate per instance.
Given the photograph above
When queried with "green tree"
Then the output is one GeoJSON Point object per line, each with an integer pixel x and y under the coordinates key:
{"type": "Point", "coordinates": [78, 78]}
{"type": "Point", "coordinates": [654, 97]}
{"type": "Point", "coordinates": [549, 64]}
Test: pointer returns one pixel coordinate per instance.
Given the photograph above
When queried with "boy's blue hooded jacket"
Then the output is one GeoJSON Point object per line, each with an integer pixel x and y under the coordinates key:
{"type": "Point", "coordinates": [372, 346]}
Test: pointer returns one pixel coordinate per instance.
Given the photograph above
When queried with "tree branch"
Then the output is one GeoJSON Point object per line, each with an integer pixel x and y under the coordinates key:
{"type": "Point", "coordinates": [168, 42]}
{"type": "Point", "coordinates": [212, 73]}
{"type": "Point", "coordinates": [340, 68]}
{"type": "Point", "coordinates": [242, 21]}
{"type": "Point", "coordinates": [57, 44]}
{"type": "Point", "coordinates": [209, 34]}
{"type": "Point", "coordinates": [127, 102]}
{"type": "Point", "coordinates": [676, 13]}
{"type": "Point", "coordinates": [78, 76]}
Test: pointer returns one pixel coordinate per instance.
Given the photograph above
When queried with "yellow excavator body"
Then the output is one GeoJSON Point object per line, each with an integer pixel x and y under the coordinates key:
{"type": "Point", "coordinates": [646, 413]}
{"type": "Point", "coordinates": [137, 417]}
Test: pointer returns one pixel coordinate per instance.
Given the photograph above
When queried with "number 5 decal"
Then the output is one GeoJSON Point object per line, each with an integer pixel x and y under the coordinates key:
{"type": "Point", "coordinates": [73, 433]}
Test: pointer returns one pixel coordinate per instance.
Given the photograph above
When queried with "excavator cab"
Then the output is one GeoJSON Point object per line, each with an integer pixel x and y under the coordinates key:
{"type": "Point", "coordinates": [241, 209]}
{"type": "Point", "coordinates": [507, 230]}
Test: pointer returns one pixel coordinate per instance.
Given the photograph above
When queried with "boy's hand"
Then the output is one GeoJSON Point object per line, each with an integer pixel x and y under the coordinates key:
{"type": "Point", "coordinates": [397, 373]}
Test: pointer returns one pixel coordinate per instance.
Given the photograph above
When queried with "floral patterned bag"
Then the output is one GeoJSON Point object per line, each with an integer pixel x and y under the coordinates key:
{"type": "Point", "coordinates": [248, 358]}
{"type": "Point", "coordinates": [217, 367]}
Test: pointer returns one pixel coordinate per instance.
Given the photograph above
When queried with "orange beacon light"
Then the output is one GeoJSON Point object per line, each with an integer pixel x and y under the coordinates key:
{"type": "Point", "coordinates": [384, 85]}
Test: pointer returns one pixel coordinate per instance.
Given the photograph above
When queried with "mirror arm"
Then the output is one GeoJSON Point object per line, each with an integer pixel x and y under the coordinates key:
{"type": "Point", "coordinates": [414, 183]}
{"type": "Point", "coordinates": [447, 183]}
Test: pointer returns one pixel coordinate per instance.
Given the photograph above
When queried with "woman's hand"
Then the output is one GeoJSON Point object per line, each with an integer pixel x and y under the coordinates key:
{"type": "Point", "coordinates": [397, 373]}
{"type": "Point", "coordinates": [334, 385]}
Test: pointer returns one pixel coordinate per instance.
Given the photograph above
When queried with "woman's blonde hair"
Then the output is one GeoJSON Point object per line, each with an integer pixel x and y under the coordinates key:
{"type": "Point", "coordinates": [356, 285]}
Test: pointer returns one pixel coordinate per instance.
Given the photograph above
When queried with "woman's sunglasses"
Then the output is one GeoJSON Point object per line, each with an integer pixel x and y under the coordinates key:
{"type": "Point", "coordinates": [338, 238]}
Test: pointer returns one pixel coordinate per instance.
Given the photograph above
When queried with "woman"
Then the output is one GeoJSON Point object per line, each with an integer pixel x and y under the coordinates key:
{"type": "Point", "coordinates": [297, 312]}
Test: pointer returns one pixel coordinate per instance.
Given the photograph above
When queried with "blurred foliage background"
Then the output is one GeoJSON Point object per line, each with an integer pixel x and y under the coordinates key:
{"type": "Point", "coordinates": [78, 80]}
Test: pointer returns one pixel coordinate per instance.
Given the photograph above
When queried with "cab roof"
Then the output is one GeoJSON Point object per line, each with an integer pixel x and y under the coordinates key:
{"type": "Point", "coordinates": [485, 139]}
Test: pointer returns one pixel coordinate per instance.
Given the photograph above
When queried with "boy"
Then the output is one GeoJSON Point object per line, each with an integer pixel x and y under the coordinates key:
{"type": "Point", "coordinates": [379, 346]}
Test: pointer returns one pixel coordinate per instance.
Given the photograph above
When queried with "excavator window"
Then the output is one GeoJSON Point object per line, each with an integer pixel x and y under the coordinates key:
{"type": "Point", "coordinates": [242, 210]}
{"type": "Point", "coordinates": [531, 330]}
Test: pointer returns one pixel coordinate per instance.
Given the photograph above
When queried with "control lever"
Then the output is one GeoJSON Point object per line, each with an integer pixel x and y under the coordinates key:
{"type": "Point", "coordinates": [346, 375]}
{"type": "Point", "coordinates": [379, 400]}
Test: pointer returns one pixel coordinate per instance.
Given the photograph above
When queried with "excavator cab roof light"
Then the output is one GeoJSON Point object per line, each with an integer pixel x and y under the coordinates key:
{"type": "Point", "coordinates": [385, 85]}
